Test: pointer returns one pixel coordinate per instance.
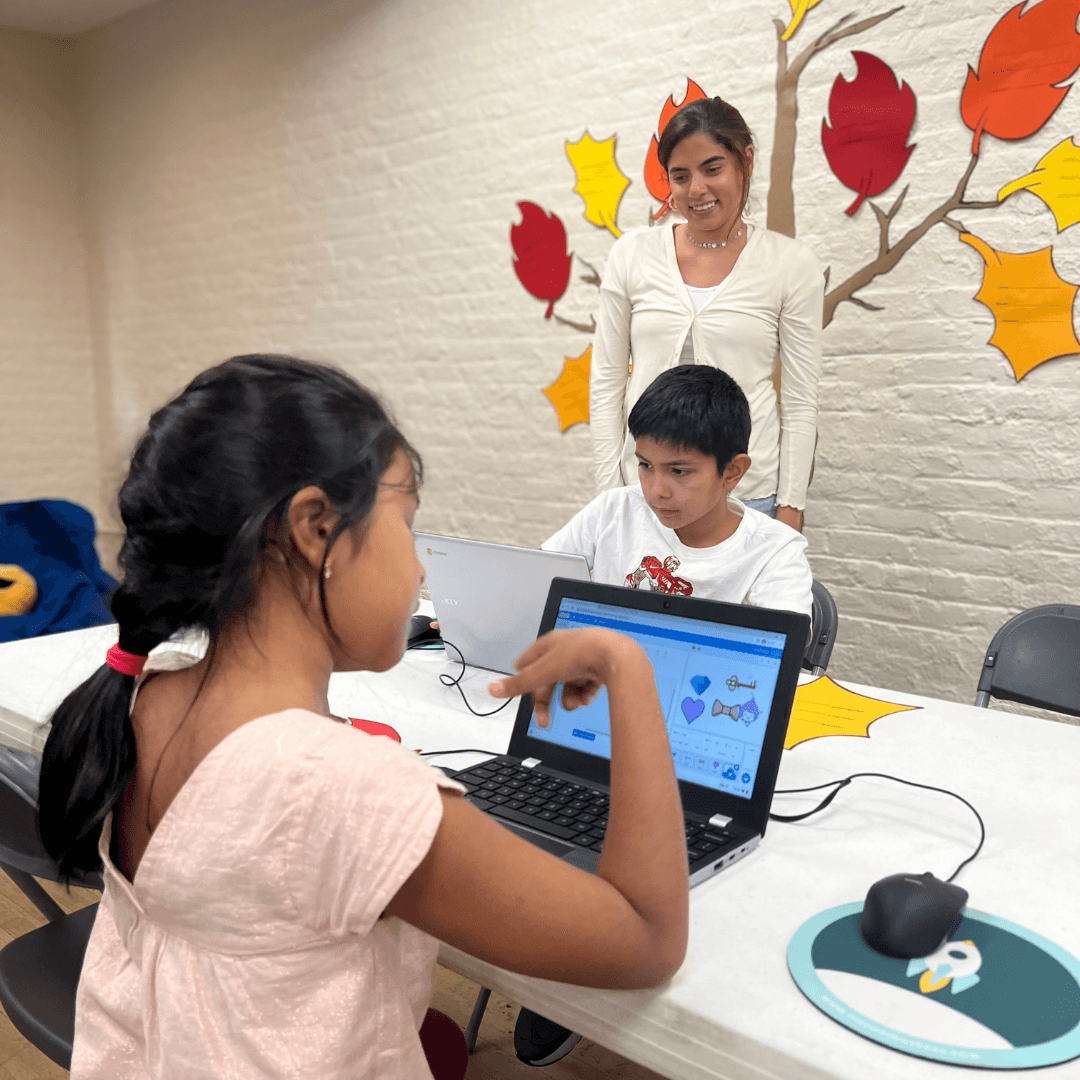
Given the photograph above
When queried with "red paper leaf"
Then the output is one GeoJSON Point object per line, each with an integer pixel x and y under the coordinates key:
{"type": "Point", "coordinates": [541, 262]}
{"type": "Point", "coordinates": [871, 121]}
{"type": "Point", "coordinates": [373, 727]}
{"type": "Point", "coordinates": [1027, 52]}
{"type": "Point", "coordinates": [655, 174]}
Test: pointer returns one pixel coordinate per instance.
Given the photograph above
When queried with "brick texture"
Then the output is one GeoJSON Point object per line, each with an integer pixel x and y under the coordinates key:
{"type": "Point", "coordinates": [338, 179]}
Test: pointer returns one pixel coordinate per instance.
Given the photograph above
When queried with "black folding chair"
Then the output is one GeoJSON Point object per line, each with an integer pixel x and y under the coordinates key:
{"type": "Point", "coordinates": [823, 625]}
{"type": "Point", "coordinates": [39, 974]}
{"type": "Point", "coordinates": [1035, 659]}
{"type": "Point", "coordinates": [39, 971]}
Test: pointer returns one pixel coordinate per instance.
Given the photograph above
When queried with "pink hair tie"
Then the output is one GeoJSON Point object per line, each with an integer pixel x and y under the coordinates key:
{"type": "Point", "coordinates": [124, 662]}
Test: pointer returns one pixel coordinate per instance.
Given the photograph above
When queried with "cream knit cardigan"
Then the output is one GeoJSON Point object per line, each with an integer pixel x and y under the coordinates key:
{"type": "Point", "coordinates": [769, 304]}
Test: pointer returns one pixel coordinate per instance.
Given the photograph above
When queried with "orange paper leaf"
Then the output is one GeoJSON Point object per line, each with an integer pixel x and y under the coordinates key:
{"type": "Point", "coordinates": [569, 393]}
{"type": "Point", "coordinates": [1031, 305]}
{"type": "Point", "coordinates": [655, 174]}
{"type": "Point", "coordinates": [1026, 56]}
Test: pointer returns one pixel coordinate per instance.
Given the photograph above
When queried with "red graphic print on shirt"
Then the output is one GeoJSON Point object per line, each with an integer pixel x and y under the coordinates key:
{"type": "Point", "coordinates": [661, 576]}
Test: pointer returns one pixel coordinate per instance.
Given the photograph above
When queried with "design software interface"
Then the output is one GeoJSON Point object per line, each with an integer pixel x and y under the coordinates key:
{"type": "Point", "coordinates": [716, 685]}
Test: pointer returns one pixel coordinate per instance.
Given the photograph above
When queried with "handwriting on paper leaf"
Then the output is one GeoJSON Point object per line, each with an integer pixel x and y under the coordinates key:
{"type": "Point", "coordinates": [871, 121]}
{"type": "Point", "coordinates": [798, 9]}
{"type": "Point", "coordinates": [1056, 180]}
{"type": "Point", "coordinates": [600, 181]}
{"type": "Point", "coordinates": [1031, 305]}
{"type": "Point", "coordinates": [1023, 61]}
{"type": "Point", "coordinates": [569, 393]}
{"type": "Point", "coordinates": [655, 174]}
{"type": "Point", "coordinates": [824, 708]}
{"type": "Point", "coordinates": [541, 261]}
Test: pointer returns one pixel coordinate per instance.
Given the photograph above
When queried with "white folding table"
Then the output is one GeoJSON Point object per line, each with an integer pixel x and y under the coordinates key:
{"type": "Point", "coordinates": [732, 1010]}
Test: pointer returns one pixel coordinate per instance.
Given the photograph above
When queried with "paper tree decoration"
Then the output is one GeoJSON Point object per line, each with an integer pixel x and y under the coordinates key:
{"type": "Point", "coordinates": [823, 708]}
{"type": "Point", "coordinates": [600, 181]}
{"type": "Point", "coordinates": [1023, 75]}
{"type": "Point", "coordinates": [871, 121]}
{"type": "Point", "coordinates": [1024, 60]}
{"type": "Point", "coordinates": [655, 175]}
{"type": "Point", "coordinates": [541, 262]}
{"type": "Point", "coordinates": [569, 393]}
{"type": "Point", "coordinates": [1031, 305]}
{"type": "Point", "coordinates": [1056, 180]}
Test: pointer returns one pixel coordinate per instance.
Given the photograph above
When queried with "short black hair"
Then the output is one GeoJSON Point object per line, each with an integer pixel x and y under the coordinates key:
{"type": "Point", "coordinates": [695, 407]}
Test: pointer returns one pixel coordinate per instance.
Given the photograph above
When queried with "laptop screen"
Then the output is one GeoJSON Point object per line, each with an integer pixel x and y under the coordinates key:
{"type": "Point", "coordinates": [716, 684]}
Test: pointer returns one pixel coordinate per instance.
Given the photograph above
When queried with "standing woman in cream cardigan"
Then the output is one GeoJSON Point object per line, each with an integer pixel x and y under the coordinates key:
{"type": "Point", "coordinates": [712, 291]}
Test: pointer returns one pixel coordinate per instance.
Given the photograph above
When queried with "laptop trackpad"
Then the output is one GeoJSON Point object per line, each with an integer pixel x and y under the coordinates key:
{"type": "Point", "coordinates": [548, 843]}
{"type": "Point", "coordinates": [582, 858]}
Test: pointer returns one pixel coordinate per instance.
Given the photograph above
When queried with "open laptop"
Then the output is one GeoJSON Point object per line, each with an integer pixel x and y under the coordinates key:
{"type": "Point", "coordinates": [489, 597]}
{"type": "Point", "coordinates": [726, 674]}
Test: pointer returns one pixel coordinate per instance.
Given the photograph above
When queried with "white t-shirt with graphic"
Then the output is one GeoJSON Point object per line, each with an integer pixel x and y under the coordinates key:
{"type": "Point", "coordinates": [762, 563]}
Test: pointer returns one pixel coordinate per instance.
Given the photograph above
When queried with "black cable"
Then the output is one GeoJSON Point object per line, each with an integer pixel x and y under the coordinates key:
{"type": "Point", "coordinates": [449, 680]}
{"type": "Point", "coordinates": [440, 753]}
{"type": "Point", "coordinates": [882, 776]}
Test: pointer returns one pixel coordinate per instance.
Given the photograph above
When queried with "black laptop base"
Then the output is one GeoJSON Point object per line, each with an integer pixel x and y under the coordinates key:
{"type": "Point", "coordinates": [568, 818]}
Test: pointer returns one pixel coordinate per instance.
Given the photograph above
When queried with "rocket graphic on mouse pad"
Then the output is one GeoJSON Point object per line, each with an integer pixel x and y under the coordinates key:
{"type": "Point", "coordinates": [995, 995]}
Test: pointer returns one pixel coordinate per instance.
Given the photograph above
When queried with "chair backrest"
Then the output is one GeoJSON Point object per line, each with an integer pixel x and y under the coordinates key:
{"type": "Point", "coordinates": [39, 978]}
{"type": "Point", "coordinates": [823, 623]}
{"type": "Point", "coordinates": [1035, 659]}
{"type": "Point", "coordinates": [21, 770]}
{"type": "Point", "coordinates": [20, 845]}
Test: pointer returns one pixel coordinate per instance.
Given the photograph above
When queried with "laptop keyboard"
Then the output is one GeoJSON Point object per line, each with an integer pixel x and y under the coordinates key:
{"type": "Point", "coordinates": [561, 808]}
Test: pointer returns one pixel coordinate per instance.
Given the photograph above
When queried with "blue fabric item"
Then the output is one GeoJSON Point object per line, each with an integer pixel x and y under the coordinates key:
{"type": "Point", "coordinates": [53, 541]}
{"type": "Point", "coordinates": [765, 506]}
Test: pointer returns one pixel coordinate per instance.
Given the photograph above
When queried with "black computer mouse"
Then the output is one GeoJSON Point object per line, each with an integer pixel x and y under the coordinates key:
{"type": "Point", "coordinates": [421, 632]}
{"type": "Point", "coordinates": [911, 915]}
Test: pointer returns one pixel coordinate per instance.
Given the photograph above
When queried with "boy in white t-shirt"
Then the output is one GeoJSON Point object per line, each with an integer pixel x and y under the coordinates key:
{"type": "Point", "coordinates": [678, 530]}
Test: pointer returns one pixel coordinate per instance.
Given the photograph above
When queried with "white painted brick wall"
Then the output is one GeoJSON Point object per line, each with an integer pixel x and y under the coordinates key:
{"type": "Point", "coordinates": [339, 179]}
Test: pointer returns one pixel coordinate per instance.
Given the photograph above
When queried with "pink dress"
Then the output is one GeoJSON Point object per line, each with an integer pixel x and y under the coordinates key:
{"type": "Point", "coordinates": [250, 943]}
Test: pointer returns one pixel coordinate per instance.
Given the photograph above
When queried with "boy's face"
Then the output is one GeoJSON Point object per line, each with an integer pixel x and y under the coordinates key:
{"type": "Point", "coordinates": [682, 486]}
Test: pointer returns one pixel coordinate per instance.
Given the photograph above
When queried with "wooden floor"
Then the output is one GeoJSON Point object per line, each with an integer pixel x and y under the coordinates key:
{"type": "Point", "coordinates": [494, 1058]}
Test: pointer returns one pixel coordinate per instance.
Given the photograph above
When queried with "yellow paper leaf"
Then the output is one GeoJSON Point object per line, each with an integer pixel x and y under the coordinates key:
{"type": "Point", "coordinates": [569, 393]}
{"type": "Point", "coordinates": [823, 707]}
{"type": "Point", "coordinates": [1056, 180]}
{"type": "Point", "coordinates": [1031, 305]}
{"type": "Point", "coordinates": [798, 9]}
{"type": "Point", "coordinates": [600, 181]}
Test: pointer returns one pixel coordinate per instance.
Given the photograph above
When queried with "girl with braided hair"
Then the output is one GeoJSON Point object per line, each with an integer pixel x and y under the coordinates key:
{"type": "Point", "coordinates": [275, 882]}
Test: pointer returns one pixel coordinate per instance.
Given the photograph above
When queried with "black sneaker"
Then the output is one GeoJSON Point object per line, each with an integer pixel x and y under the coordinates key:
{"type": "Point", "coordinates": [538, 1041]}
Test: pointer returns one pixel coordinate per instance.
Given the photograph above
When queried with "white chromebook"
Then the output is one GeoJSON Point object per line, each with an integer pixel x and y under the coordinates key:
{"type": "Point", "coordinates": [489, 598]}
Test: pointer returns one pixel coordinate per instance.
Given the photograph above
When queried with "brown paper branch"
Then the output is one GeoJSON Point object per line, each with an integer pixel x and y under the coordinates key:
{"type": "Point", "coordinates": [780, 214]}
{"type": "Point", "coordinates": [889, 255]}
{"type": "Point", "coordinates": [592, 277]}
{"type": "Point", "coordinates": [590, 329]}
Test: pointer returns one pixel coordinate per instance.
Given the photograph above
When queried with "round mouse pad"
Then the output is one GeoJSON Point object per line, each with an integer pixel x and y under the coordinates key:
{"type": "Point", "coordinates": [996, 995]}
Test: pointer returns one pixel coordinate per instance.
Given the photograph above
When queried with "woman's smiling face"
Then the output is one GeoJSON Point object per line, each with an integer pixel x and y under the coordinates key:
{"type": "Point", "coordinates": [707, 183]}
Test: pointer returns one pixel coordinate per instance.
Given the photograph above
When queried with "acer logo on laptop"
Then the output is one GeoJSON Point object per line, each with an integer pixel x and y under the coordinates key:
{"type": "Point", "coordinates": [447, 600]}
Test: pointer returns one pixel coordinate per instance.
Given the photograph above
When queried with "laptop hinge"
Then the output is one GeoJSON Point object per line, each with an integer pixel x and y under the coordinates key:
{"type": "Point", "coordinates": [530, 763]}
{"type": "Point", "coordinates": [720, 821]}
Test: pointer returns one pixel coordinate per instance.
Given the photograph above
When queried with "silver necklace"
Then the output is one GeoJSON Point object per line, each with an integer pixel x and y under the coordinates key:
{"type": "Point", "coordinates": [722, 243]}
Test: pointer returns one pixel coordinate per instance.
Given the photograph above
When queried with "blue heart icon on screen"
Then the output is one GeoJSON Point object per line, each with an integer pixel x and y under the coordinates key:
{"type": "Point", "coordinates": [692, 709]}
{"type": "Point", "coordinates": [700, 683]}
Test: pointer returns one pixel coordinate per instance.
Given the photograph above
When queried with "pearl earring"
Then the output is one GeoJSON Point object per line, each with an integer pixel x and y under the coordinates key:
{"type": "Point", "coordinates": [326, 573]}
